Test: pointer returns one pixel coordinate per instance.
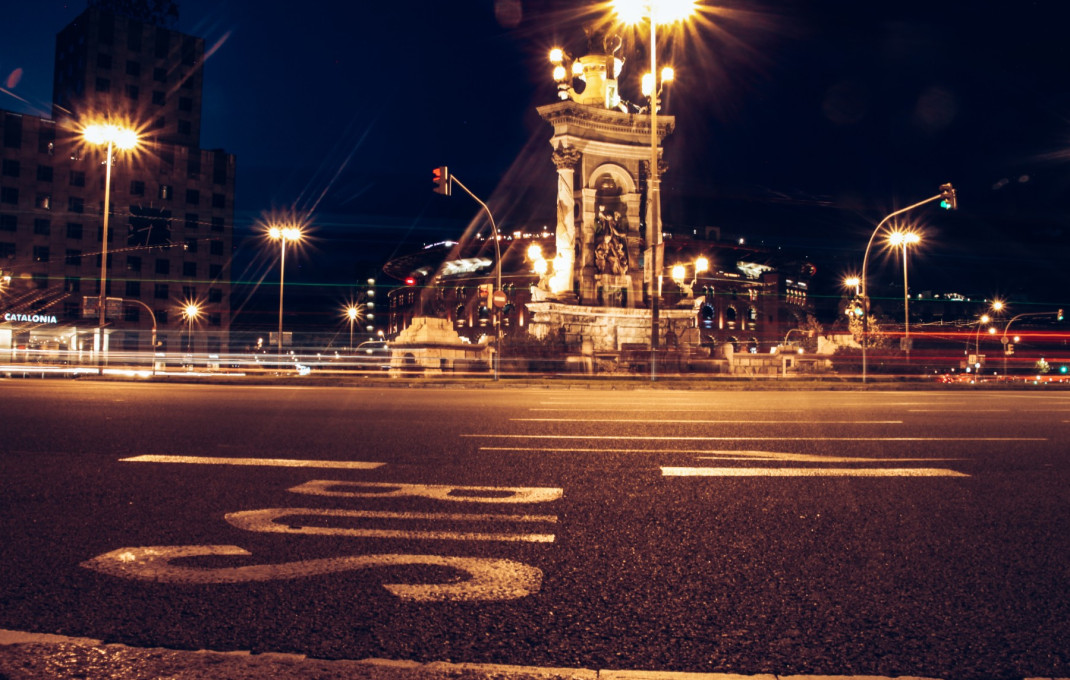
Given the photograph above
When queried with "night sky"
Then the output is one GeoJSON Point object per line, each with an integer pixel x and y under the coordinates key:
{"type": "Point", "coordinates": [799, 124]}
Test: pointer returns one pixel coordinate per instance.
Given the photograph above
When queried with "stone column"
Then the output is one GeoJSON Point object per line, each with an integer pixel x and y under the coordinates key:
{"type": "Point", "coordinates": [565, 158]}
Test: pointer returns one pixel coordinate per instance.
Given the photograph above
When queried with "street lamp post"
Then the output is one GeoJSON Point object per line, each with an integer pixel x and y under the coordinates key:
{"type": "Point", "coordinates": [283, 234]}
{"type": "Point", "coordinates": [353, 314]}
{"type": "Point", "coordinates": [948, 200]}
{"type": "Point", "coordinates": [633, 12]}
{"type": "Point", "coordinates": [112, 137]}
{"type": "Point", "coordinates": [904, 239]}
{"type": "Point", "coordinates": [152, 315]}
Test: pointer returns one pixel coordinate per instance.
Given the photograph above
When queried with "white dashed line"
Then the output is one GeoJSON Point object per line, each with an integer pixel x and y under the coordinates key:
{"type": "Point", "coordinates": [267, 462]}
{"type": "Point", "coordinates": [807, 472]}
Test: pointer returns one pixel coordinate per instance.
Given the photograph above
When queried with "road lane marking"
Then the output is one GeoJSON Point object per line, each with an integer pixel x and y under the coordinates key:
{"type": "Point", "coordinates": [690, 407]}
{"type": "Point", "coordinates": [705, 422]}
{"type": "Point", "coordinates": [718, 454]}
{"type": "Point", "coordinates": [803, 457]}
{"type": "Point", "coordinates": [958, 410]}
{"type": "Point", "coordinates": [748, 439]}
{"type": "Point", "coordinates": [268, 462]}
{"type": "Point", "coordinates": [441, 492]}
{"type": "Point", "coordinates": [488, 579]}
{"type": "Point", "coordinates": [265, 521]}
{"type": "Point", "coordinates": [807, 472]}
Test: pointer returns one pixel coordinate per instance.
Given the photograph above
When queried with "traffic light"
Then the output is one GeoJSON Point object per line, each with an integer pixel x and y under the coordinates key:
{"type": "Point", "coordinates": [1059, 315]}
{"type": "Point", "coordinates": [948, 200]}
{"type": "Point", "coordinates": [441, 178]}
{"type": "Point", "coordinates": [485, 293]}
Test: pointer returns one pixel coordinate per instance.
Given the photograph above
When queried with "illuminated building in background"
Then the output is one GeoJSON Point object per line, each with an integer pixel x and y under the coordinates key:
{"type": "Point", "coordinates": [172, 203]}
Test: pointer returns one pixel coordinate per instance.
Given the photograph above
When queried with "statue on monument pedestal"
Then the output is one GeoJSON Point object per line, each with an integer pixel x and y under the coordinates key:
{"type": "Point", "coordinates": [611, 248]}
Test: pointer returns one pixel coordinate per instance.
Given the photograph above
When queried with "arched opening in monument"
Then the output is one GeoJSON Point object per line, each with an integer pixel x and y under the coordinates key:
{"type": "Point", "coordinates": [611, 258]}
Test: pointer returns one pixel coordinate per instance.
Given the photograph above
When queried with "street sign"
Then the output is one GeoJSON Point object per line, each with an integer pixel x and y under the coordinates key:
{"type": "Point", "coordinates": [287, 338]}
{"type": "Point", "coordinates": [499, 299]}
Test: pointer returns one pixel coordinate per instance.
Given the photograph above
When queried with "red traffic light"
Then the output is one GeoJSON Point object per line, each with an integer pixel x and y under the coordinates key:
{"type": "Point", "coordinates": [410, 280]}
{"type": "Point", "coordinates": [441, 177]}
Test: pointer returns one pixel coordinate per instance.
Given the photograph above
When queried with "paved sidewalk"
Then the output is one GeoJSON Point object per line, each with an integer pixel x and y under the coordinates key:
{"type": "Point", "coordinates": [33, 656]}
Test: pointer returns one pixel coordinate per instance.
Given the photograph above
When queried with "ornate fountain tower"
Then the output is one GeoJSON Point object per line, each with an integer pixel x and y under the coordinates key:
{"type": "Point", "coordinates": [601, 147]}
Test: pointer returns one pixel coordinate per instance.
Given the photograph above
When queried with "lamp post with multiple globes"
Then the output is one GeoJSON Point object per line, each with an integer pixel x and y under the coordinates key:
{"type": "Point", "coordinates": [654, 13]}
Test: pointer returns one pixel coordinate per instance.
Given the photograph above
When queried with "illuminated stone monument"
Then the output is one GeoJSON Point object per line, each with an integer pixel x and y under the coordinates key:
{"type": "Point", "coordinates": [601, 279]}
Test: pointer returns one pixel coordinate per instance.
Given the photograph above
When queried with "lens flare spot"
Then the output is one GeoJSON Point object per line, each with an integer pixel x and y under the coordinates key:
{"type": "Point", "coordinates": [13, 79]}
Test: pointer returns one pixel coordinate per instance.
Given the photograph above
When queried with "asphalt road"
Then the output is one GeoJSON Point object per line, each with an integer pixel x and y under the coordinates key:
{"type": "Point", "coordinates": [884, 533]}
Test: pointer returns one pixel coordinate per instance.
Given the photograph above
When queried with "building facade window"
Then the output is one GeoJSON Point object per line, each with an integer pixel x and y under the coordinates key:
{"type": "Point", "coordinates": [12, 131]}
{"type": "Point", "coordinates": [133, 263]}
{"type": "Point", "coordinates": [9, 195]}
{"type": "Point", "coordinates": [42, 226]}
{"type": "Point", "coordinates": [133, 288]}
{"type": "Point", "coordinates": [189, 269]}
{"type": "Point", "coordinates": [193, 197]}
{"type": "Point", "coordinates": [44, 173]}
{"type": "Point", "coordinates": [76, 204]}
{"type": "Point", "coordinates": [163, 266]}
{"type": "Point", "coordinates": [40, 253]}
{"type": "Point", "coordinates": [10, 168]}
{"type": "Point", "coordinates": [159, 292]}
{"type": "Point", "coordinates": [74, 230]}
{"type": "Point", "coordinates": [77, 178]}
{"type": "Point", "coordinates": [73, 257]}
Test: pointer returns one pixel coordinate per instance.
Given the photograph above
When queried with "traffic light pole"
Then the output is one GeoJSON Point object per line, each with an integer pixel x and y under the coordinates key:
{"type": "Point", "coordinates": [1003, 340]}
{"type": "Point", "coordinates": [948, 196]}
{"type": "Point", "coordinates": [450, 178]}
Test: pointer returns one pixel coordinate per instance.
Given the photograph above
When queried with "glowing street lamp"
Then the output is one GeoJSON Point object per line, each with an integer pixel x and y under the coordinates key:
{"type": "Point", "coordinates": [190, 313]}
{"type": "Point", "coordinates": [113, 137]}
{"type": "Point", "coordinates": [283, 233]}
{"type": "Point", "coordinates": [353, 313]}
{"type": "Point", "coordinates": [654, 12]}
{"type": "Point", "coordinates": [678, 273]}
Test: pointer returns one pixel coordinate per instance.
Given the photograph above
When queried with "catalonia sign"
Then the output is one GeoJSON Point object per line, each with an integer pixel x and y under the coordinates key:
{"type": "Point", "coordinates": [30, 318]}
